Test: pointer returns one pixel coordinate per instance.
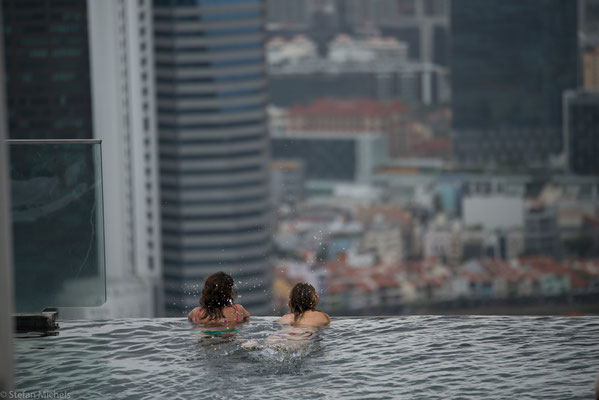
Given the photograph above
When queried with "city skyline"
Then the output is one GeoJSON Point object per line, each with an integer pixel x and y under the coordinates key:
{"type": "Point", "coordinates": [299, 198]}
{"type": "Point", "coordinates": [220, 122]}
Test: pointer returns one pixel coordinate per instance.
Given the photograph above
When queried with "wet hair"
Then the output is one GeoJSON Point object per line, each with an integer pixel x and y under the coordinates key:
{"type": "Point", "coordinates": [217, 294]}
{"type": "Point", "coordinates": [302, 298]}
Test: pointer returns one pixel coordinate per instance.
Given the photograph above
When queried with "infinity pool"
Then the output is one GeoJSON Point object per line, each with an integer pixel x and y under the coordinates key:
{"type": "Point", "coordinates": [412, 357]}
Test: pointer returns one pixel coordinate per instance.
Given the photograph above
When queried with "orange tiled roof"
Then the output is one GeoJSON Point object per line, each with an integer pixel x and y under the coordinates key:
{"type": "Point", "coordinates": [544, 264]}
{"type": "Point", "coordinates": [392, 213]}
{"type": "Point", "coordinates": [384, 281]}
{"type": "Point", "coordinates": [347, 107]}
{"type": "Point", "coordinates": [577, 282]}
{"type": "Point", "coordinates": [500, 269]}
{"type": "Point", "coordinates": [441, 145]}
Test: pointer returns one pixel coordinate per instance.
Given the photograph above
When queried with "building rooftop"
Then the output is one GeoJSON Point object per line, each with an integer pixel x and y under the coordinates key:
{"type": "Point", "coordinates": [343, 107]}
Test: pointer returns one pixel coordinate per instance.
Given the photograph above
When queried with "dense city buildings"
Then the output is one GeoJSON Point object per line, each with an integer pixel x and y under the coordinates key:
{"type": "Point", "coordinates": [541, 233]}
{"type": "Point", "coordinates": [419, 75]}
{"type": "Point", "coordinates": [506, 98]}
{"type": "Point", "coordinates": [338, 117]}
{"type": "Point", "coordinates": [287, 182]}
{"type": "Point", "coordinates": [345, 143]}
{"type": "Point", "coordinates": [384, 81]}
{"type": "Point", "coordinates": [214, 158]}
{"type": "Point", "coordinates": [366, 254]}
{"type": "Point", "coordinates": [423, 24]}
{"type": "Point", "coordinates": [339, 140]}
{"type": "Point", "coordinates": [581, 118]}
{"type": "Point", "coordinates": [376, 67]}
{"type": "Point", "coordinates": [332, 159]}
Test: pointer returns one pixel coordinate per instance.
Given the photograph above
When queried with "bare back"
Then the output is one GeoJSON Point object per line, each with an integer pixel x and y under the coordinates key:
{"type": "Point", "coordinates": [234, 314]}
{"type": "Point", "coordinates": [309, 318]}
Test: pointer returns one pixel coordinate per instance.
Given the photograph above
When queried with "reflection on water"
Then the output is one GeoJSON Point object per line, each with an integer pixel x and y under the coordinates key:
{"type": "Point", "coordinates": [401, 357]}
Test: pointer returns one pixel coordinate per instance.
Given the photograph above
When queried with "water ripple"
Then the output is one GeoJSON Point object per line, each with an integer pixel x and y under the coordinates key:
{"type": "Point", "coordinates": [412, 357]}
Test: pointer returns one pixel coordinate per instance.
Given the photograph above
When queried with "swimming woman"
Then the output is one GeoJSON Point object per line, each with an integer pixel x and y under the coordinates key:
{"type": "Point", "coordinates": [217, 310]}
{"type": "Point", "coordinates": [302, 303]}
{"type": "Point", "coordinates": [303, 320]}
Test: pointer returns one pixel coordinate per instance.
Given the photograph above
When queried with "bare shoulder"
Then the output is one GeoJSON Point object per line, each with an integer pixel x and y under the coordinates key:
{"type": "Point", "coordinates": [286, 319]}
{"type": "Point", "coordinates": [245, 313]}
{"type": "Point", "coordinates": [193, 313]}
{"type": "Point", "coordinates": [315, 318]}
{"type": "Point", "coordinates": [324, 318]}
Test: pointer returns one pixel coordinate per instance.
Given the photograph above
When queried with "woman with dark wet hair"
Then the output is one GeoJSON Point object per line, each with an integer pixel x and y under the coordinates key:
{"type": "Point", "coordinates": [302, 303]}
{"type": "Point", "coordinates": [217, 308]}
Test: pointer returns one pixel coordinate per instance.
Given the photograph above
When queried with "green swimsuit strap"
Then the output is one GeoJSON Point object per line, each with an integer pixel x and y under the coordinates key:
{"type": "Point", "coordinates": [218, 332]}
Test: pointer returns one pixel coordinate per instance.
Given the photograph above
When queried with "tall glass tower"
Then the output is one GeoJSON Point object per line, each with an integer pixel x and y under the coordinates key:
{"type": "Point", "coordinates": [213, 148]}
{"type": "Point", "coordinates": [46, 50]}
{"type": "Point", "coordinates": [511, 61]}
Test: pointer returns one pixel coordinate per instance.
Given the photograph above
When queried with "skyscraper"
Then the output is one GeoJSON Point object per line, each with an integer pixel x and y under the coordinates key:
{"type": "Point", "coordinates": [423, 24]}
{"type": "Point", "coordinates": [82, 70]}
{"type": "Point", "coordinates": [581, 119]}
{"type": "Point", "coordinates": [124, 117]}
{"type": "Point", "coordinates": [287, 14]}
{"type": "Point", "coordinates": [213, 148]}
{"type": "Point", "coordinates": [589, 23]}
{"type": "Point", "coordinates": [46, 53]}
{"type": "Point", "coordinates": [511, 61]}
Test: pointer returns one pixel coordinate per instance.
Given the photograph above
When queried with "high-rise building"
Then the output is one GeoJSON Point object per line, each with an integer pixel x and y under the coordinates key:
{"type": "Point", "coordinates": [423, 24]}
{"type": "Point", "coordinates": [581, 119]}
{"type": "Point", "coordinates": [357, 117]}
{"type": "Point", "coordinates": [214, 149]}
{"type": "Point", "coordinates": [338, 140]}
{"type": "Point", "coordinates": [589, 23]}
{"type": "Point", "coordinates": [46, 53]}
{"type": "Point", "coordinates": [506, 98]}
{"type": "Point", "coordinates": [124, 117]}
{"type": "Point", "coordinates": [287, 182]}
{"type": "Point", "coordinates": [541, 233]}
{"type": "Point", "coordinates": [287, 14]}
{"type": "Point", "coordinates": [82, 70]}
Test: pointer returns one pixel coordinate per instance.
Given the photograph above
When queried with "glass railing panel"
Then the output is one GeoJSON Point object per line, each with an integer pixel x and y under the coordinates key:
{"type": "Point", "coordinates": [58, 229]}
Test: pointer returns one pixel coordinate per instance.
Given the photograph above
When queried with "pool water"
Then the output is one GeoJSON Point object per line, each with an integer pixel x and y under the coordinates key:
{"type": "Point", "coordinates": [412, 357]}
